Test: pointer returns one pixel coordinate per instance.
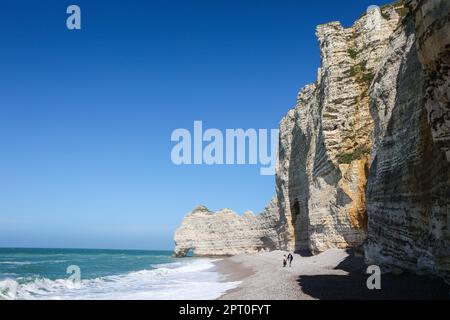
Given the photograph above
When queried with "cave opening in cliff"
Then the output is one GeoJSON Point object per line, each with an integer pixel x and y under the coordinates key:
{"type": "Point", "coordinates": [190, 253]}
{"type": "Point", "coordinates": [295, 211]}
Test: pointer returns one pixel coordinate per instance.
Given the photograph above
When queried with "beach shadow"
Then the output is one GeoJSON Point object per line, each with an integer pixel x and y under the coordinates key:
{"type": "Point", "coordinates": [352, 286]}
{"type": "Point", "coordinates": [304, 252]}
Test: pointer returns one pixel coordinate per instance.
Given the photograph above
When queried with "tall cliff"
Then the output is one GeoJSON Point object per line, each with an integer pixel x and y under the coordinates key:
{"type": "Point", "coordinates": [364, 156]}
{"type": "Point", "coordinates": [408, 191]}
{"type": "Point", "coordinates": [325, 141]}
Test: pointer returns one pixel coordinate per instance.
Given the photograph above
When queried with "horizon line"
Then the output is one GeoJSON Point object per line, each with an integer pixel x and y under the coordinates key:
{"type": "Point", "coordinates": [73, 248]}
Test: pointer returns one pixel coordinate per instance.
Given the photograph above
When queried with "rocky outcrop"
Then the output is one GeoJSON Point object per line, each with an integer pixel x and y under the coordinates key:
{"type": "Point", "coordinates": [222, 233]}
{"type": "Point", "coordinates": [364, 156]}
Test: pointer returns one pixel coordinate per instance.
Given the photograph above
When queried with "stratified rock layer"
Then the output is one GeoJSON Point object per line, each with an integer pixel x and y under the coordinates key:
{"type": "Point", "coordinates": [432, 21]}
{"type": "Point", "coordinates": [409, 184]}
{"type": "Point", "coordinates": [364, 156]}
{"type": "Point", "coordinates": [325, 141]}
{"type": "Point", "coordinates": [222, 233]}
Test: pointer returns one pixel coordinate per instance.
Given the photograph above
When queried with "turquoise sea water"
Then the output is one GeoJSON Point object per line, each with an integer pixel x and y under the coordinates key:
{"type": "Point", "coordinates": [106, 274]}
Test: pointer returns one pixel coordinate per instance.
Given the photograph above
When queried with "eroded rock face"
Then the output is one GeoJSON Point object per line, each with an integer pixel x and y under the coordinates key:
{"type": "Point", "coordinates": [432, 22]}
{"type": "Point", "coordinates": [325, 141]}
{"type": "Point", "coordinates": [225, 233]}
{"type": "Point", "coordinates": [324, 149]}
{"type": "Point", "coordinates": [364, 155]}
{"type": "Point", "coordinates": [409, 184]}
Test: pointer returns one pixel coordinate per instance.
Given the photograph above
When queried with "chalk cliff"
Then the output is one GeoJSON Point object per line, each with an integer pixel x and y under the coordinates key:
{"type": "Point", "coordinates": [364, 156]}
{"type": "Point", "coordinates": [224, 232]}
{"type": "Point", "coordinates": [325, 141]}
{"type": "Point", "coordinates": [408, 190]}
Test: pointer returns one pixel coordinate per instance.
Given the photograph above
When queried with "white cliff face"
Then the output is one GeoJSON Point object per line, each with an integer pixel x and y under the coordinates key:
{"type": "Point", "coordinates": [409, 184]}
{"type": "Point", "coordinates": [323, 154]}
{"type": "Point", "coordinates": [432, 22]}
{"type": "Point", "coordinates": [364, 155]}
{"type": "Point", "coordinates": [225, 233]}
{"type": "Point", "coordinates": [325, 141]}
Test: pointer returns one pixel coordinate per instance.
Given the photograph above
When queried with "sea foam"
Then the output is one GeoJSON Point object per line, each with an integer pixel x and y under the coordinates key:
{"type": "Point", "coordinates": [190, 279]}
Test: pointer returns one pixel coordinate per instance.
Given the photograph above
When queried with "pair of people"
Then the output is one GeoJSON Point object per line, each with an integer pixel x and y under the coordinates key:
{"type": "Point", "coordinates": [287, 259]}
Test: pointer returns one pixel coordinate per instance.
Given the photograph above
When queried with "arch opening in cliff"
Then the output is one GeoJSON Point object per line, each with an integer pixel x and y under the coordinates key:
{"type": "Point", "coordinates": [185, 252]}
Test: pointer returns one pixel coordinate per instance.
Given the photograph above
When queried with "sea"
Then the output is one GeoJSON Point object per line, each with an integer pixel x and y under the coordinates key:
{"type": "Point", "coordinates": [92, 274]}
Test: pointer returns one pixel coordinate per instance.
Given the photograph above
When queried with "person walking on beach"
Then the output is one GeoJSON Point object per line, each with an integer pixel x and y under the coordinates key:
{"type": "Point", "coordinates": [284, 261]}
{"type": "Point", "coordinates": [290, 257]}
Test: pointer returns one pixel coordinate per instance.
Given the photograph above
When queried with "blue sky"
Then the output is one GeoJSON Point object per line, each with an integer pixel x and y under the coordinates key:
{"type": "Point", "coordinates": [86, 116]}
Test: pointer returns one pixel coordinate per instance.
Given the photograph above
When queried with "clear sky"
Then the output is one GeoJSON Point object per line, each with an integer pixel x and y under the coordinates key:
{"type": "Point", "coordinates": [86, 116]}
